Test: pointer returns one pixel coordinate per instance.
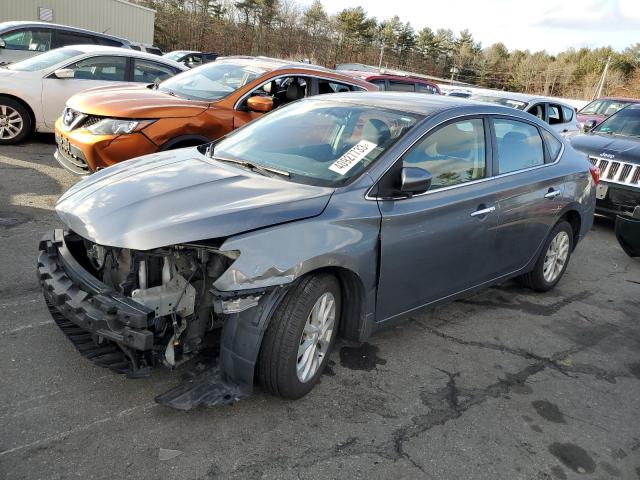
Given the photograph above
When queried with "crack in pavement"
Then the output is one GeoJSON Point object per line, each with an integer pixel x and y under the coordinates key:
{"type": "Point", "coordinates": [562, 365]}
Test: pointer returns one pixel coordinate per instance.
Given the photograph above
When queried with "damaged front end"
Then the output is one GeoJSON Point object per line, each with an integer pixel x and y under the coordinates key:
{"type": "Point", "coordinates": [131, 310]}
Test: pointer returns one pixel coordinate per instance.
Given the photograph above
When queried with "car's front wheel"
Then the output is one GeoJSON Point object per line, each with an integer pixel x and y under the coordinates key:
{"type": "Point", "coordinates": [553, 259]}
{"type": "Point", "coordinates": [15, 121]}
{"type": "Point", "coordinates": [300, 337]}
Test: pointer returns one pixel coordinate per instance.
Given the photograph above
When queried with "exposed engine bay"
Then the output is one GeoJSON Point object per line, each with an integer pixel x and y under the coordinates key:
{"type": "Point", "coordinates": [174, 282]}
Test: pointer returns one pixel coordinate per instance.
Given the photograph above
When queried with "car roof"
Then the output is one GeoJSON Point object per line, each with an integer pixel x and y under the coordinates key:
{"type": "Point", "coordinates": [412, 102]}
{"type": "Point", "coordinates": [57, 26]}
{"type": "Point", "coordinates": [522, 97]}
{"type": "Point", "coordinates": [269, 63]}
{"type": "Point", "coordinates": [620, 99]}
{"type": "Point", "coordinates": [102, 49]}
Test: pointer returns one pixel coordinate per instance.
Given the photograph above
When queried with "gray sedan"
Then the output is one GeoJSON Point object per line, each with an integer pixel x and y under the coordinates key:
{"type": "Point", "coordinates": [336, 215]}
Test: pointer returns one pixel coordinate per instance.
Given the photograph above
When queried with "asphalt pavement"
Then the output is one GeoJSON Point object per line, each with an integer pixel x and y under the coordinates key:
{"type": "Point", "coordinates": [507, 384]}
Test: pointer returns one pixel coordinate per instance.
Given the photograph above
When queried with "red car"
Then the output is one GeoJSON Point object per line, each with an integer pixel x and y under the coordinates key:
{"type": "Point", "coordinates": [602, 108]}
{"type": "Point", "coordinates": [396, 83]}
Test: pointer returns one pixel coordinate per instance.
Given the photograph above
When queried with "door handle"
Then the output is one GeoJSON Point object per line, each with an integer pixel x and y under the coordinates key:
{"type": "Point", "coordinates": [551, 194]}
{"type": "Point", "coordinates": [484, 211]}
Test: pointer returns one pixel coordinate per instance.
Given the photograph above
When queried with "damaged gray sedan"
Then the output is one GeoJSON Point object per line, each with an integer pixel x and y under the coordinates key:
{"type": "Point", "coordinates": [336, 215]}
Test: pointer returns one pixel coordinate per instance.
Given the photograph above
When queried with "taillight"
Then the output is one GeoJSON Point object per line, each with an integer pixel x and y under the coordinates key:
{"type": "Point", "coordinates": [595, 174]}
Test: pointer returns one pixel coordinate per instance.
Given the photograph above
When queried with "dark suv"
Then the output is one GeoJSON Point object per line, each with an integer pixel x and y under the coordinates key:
{"type": "Point", "coordinates": [20, 40]}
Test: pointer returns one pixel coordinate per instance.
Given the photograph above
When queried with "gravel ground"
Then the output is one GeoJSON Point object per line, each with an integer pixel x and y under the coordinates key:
{"type": "Point", "coordinates": [507, 384]}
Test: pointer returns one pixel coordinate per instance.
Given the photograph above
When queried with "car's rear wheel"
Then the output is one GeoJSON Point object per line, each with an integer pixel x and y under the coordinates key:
{"type": "Point", "coordinates": [300, 337]}
{"type": "Point", "coordinates": [15, 121]}
{"type": "Point", "coordinates": [553, 259]}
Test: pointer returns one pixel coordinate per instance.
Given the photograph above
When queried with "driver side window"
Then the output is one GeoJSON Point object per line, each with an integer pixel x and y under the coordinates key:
{"type": "Point", "coordinates": [453, 154]}
{"type": "Point", "coordinates": [112, 69]}
{"type": "Point", "coordinates": [282, 90]}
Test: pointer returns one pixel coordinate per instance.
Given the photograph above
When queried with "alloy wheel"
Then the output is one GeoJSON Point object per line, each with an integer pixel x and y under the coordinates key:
{"type": "Point", "coordinates": [556, 257]}
{"type": "Point", "coordinates": [316, 337]}
{"type": "Point", "coordinates": [11, 123]}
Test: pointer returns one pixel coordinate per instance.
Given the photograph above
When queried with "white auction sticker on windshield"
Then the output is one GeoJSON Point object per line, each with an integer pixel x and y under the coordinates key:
{"type": "Point", "coordinates": [356, 153]}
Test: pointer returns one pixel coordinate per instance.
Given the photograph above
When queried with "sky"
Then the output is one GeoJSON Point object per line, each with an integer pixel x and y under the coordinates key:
{"type": "Point", "coordinates": [553, 25]}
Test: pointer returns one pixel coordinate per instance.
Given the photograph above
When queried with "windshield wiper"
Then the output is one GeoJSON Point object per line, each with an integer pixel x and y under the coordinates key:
{"type": "Point", "coordinates": [266, 171]}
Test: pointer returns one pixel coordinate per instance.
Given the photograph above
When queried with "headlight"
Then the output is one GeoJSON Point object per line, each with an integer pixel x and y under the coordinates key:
{"type": "Point", "coordinates": [113, 126]}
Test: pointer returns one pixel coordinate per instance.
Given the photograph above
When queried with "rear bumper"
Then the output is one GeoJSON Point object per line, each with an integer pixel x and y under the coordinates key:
{"type": "Point", "coordinates": [90, 312]}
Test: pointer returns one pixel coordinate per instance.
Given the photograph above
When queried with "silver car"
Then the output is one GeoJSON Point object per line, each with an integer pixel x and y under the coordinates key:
{"type": "Point", "coordinates": [561, 116]}
{"type": "Point", "coordinates": [336, 215]}
{"type": "Point", "coordinates": [20, 40]}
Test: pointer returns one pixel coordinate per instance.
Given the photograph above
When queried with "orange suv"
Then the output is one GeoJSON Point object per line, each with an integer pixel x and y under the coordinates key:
{"type": "Point", "coordinates": [104, 126]}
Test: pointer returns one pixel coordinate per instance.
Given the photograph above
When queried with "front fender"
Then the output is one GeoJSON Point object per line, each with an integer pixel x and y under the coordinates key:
{"type": "Point", "coordinates": [345, 235]}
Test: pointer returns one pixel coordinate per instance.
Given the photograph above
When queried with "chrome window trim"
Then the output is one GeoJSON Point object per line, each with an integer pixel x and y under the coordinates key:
{"type": "Point", "coordinates": [313, 75]}
{"type": "Point", "coordinates": [472, 182]}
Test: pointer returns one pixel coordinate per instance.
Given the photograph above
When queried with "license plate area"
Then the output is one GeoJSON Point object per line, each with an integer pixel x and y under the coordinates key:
{"type": "Point", "coordinates": [63, 144]}
{"type": "Point", "coordinates": [601, 191]}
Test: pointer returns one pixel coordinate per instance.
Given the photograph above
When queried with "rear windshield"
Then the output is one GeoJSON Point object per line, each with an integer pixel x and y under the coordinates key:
{"type": "Point", "coordinates": [507, 102]}
{"type": "Point", "coordinates": [44, 60]}
{"type": "Point", "coordinates": [212, 81]}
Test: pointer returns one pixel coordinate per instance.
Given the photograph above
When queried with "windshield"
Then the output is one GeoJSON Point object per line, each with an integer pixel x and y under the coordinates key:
{"type": "Point", "coordinates": [603, 107]}
{"type": "Point", "coordinates": [175, 55]}
{"type": "Point", "coordinates": [212, 81]}
{"type": "Point", "coordinates": [44, 60]}
{"type": "Point", "coordinates": [625, 123]}
{"type": "Point", "coordinates": [318, 142]}
{"type": "Point", "coordinates": [507, 102]}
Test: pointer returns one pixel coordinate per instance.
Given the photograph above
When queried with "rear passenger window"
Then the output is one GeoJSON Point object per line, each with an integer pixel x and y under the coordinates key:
{"type": "Point", "coordinates": [555, 116]}
{"type": "Point", "coordinates": [146, 71]}
{"type": "Point", "coordinates": [325, 86]}
{"type": "Point", "coordinates": [567, 114]}
{"type": "Point", "coordinates": [553, 145]}
{"type": "Point", "coordinates": [453, 154]}
{"type": "Point", "coordinates": [422, 88]}
{"type": "Point", "coordinates": [379, 83]}
{"type": "Point", "coordinates": [101, 68]}
{"type": "Point", "coordinates": [72, 38]}
{"type": "Point", "coordinates": [401, 86]}
{"type": "Point", "coordinates": [519, 145]}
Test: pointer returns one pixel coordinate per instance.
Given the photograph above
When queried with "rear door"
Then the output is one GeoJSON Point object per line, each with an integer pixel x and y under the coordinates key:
{"type": "Point", "coordinates": [91, 72]}
{"type": "Point", "coordinates": [439, 243]}
{"type": "Point", "coordinates": [529, 191]}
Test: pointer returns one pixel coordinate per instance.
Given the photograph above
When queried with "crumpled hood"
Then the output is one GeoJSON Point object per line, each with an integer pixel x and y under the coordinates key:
{"type": "Point", "coordinates": [134, 102]}
{"type": "Point", "coordinates": [181, 196]}
{"type": "Point", "coordinates": [626, 149]}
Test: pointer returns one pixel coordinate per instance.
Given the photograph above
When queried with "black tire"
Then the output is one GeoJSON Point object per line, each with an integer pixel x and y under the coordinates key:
{"type": "Point", "coordinates": [535, 278]}
{"type": "Point", "coordinates": [25, 117]}
{"type": "Point", "coordinates": [278, 357]}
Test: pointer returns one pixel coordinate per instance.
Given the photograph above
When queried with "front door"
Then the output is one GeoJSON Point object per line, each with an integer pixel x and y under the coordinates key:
{"type": "Point", "coordinates": [90, 72]}
{"type": "Point", "coordinates": [439, 243]}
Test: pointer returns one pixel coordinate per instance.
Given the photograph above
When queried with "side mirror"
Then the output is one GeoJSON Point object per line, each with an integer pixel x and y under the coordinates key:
{"type": "Point", "coordinates": [260, 104]}
{"type": "Point", "coordinates": [414, 180]}
{"type": "Point", "coordinates": [64, 73]}
{"type": "Point", "coordinates": [589, 125]}
{"type": "Point", "coordinates": [3, 44]}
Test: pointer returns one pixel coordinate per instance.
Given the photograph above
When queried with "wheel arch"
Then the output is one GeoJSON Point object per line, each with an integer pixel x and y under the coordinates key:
{"type": "Point", "coordinates": [184, 141]}
{"type": "Point", "coordinates": [25, 105]}
{"type": "Point", "coordinates": [574, 218]}
{"type": "Point", "coordinates": [352, 316]}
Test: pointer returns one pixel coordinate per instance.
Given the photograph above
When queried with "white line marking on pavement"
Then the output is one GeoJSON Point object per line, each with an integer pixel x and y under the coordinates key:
{"type": "Point", "coordinates": [82, 428]}
{"type": "Point", "coordinates": [26, 327]}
